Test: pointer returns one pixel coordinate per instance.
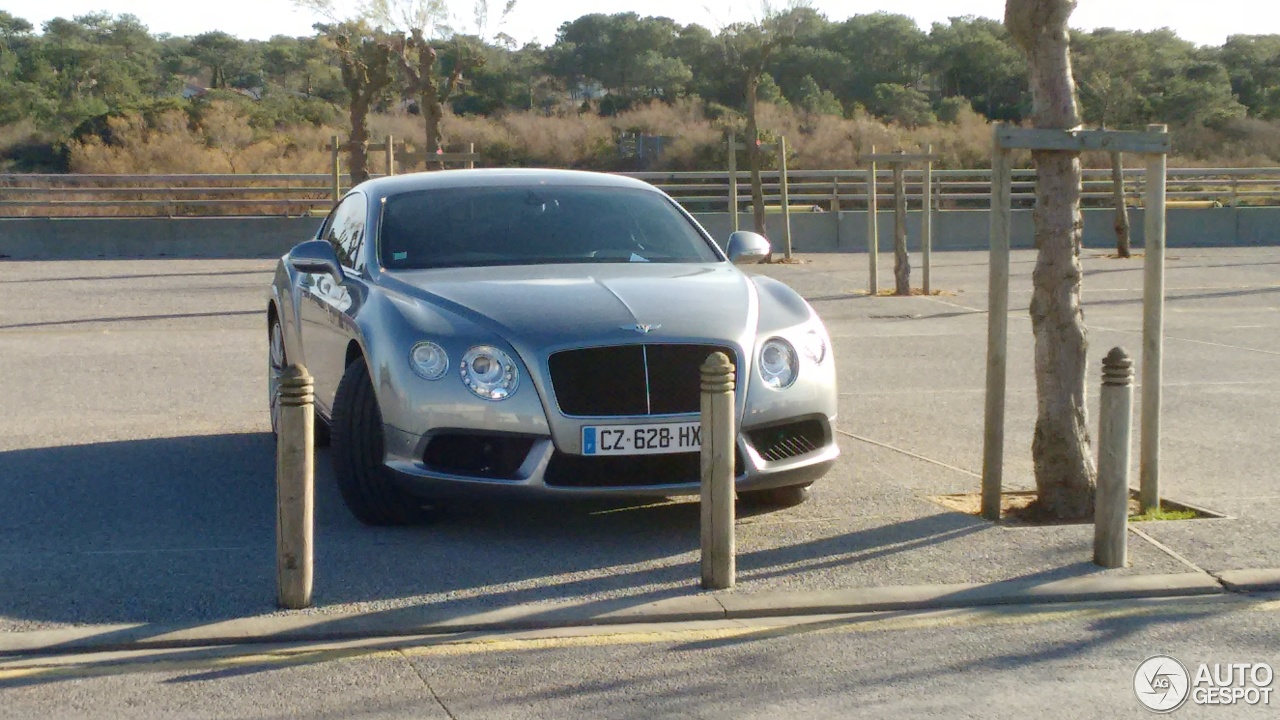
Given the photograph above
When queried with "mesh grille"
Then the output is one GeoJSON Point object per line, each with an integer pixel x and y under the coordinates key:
{"type": "Point", "coordinates": [781, 442]}
{"type": "Point", "coordinates": [630, 379]}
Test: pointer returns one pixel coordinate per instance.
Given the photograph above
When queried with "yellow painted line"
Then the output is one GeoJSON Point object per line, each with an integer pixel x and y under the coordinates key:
{"type": "Point", "coordinates": [50, 669]}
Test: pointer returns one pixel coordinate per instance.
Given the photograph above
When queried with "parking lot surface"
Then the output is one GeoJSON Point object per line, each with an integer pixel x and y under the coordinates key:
{"type": "Point", "coordinates": [136, 462]}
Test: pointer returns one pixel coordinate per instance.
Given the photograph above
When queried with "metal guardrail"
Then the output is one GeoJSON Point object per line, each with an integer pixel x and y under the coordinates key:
{"type": "Point", "coordinates": [51, 195]}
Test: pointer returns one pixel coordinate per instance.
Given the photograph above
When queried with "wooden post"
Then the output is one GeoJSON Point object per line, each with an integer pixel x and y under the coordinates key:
{"type": "Point", "coordinates": [785, 194]}
{"type": "Point", "coordinates": [873, 230]}
{"type": "Point", "coordinates": [295, 489]}
{"type": "Point", "coordinates": [391, 155]}
{"type": "Point", "coordinates": [471, 152]}
{"type": "Point", "coordinates": [337, 169]}
{"type": "Point", "coordinates": [997, 330]}
{"type": "Point", "coordinates": [926, 222]}
{"type": "Point", "coordinates": [1111, 501]}
{"type": "Point", "coordinates": [718, 442]}
{"type": "Point", "coordinates": [1152, 326]}
{"type": "Point", "coordinates": [901, 260]}
{"type": "Point", "coordinates": [733, 181]}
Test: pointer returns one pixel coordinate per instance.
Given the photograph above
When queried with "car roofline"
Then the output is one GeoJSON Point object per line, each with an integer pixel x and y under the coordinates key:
{"type": "Point", "coordinates": [496, 177]}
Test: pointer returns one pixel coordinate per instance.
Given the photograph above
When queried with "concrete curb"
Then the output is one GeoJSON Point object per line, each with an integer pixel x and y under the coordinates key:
{"type": "Point", "coordinates": [1251, 580]}
{"type": "Point", "coordinates": [316, 627]}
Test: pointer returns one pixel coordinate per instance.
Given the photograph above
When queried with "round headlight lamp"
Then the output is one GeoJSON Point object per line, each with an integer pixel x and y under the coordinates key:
{"type": "Point", "coordinates": [489, 373]}
{"type": "Point", "coordinates": [429, 360]}
{"type": "Point", "coordinates": [814, 346]}
{"type": "Point", "coordinates": [778, 364]}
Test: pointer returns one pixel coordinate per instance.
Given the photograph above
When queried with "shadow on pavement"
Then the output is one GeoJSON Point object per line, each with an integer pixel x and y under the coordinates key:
{"type": "Point", "coordinates": [173, 533]}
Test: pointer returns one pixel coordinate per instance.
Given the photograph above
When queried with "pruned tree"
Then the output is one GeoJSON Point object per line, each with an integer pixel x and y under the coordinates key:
{"type": "Point", "coordinates": [747, 48]}
{"type": "Point", "coordinates": [425, 28]}
{"type": "Point", "coordinates": [1060, 449]}
{"type": "Point", "coordinates": [1121, 223]}
{"type": "Point", "coordinates": [417, 58]}
{"type": "Point", "coordinates": [365, 61]}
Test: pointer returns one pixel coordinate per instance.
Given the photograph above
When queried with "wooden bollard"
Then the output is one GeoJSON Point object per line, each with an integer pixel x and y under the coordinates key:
{"type": "Point", "coordinates": [926, 224]}
{"type": "Point", "coordinates": [1111, 500]}
{"type": "Point", "coordinates": [295, 489]}
{"type": "Point", "coordinates": [718, 442]}
{"type": "Point", "coordinates": [733, 181]}
{"type": "Point", "coordinates": [873, 230]}
{"type": "Point", "coordinates": [784, 195]}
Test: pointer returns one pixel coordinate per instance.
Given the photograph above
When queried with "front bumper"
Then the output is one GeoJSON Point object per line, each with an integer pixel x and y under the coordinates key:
{"type": "Point", "coordinates": [543, 470]}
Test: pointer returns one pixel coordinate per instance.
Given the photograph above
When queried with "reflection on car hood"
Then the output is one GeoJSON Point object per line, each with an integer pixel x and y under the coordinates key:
{"type": "Point", "coordinates": [548, 305]}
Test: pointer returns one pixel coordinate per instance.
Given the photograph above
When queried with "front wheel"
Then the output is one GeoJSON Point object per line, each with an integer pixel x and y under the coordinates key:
{"type": "Point", "coordinates": [367, 487]}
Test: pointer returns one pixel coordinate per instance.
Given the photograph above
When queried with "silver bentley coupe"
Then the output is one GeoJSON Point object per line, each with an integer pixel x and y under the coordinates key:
{"type": "Point", "coordinates": [541, 332]}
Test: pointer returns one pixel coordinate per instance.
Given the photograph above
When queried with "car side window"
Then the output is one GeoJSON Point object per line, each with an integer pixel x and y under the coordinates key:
{"type": "Point", "coordinates": [346, 232]}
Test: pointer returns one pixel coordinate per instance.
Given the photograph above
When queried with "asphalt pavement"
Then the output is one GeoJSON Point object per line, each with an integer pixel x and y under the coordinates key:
{"type": "Point", "coordinates": [136, 461]}
{"type": "Point", "coordinates": [1076, 661]}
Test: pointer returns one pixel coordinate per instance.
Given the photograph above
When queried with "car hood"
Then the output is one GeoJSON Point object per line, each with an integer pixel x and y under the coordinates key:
{"type": "Point", "coordinates": [546, 306]}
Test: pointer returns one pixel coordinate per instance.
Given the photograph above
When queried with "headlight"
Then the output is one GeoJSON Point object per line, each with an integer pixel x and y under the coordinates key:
{"type": "Point", "coordinates": [815, 346]}
{"type": "Point", "coordinates": [489, 373]}
{"type": "Point", "coordinates": [429, 360]}
{"type": "Point", "coordinates": [779, 363]}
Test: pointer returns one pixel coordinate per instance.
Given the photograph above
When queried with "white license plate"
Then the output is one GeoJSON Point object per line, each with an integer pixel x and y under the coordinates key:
{"type": "Point", "coordinates": [641, 439]}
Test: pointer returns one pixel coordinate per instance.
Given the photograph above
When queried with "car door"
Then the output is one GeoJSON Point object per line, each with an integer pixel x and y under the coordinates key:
{"type": "Point", "coordinates": [327, 303]}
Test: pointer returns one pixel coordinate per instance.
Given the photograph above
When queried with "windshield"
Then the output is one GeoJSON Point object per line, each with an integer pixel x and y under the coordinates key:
{"type": "Point", "coordinates": [535, 224]}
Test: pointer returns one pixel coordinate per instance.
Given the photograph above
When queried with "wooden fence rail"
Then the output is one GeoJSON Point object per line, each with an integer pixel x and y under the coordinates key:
{"type": "Point", "coordinates": [51, 195]}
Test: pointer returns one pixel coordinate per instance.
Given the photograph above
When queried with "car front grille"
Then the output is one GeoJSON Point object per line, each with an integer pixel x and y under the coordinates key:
{"type": "Point", "coordinates": [630, 379]}
{"type": "Point", "coordinates": [780, 442]}
{"type": "Point", "coordinates": [583, 471]}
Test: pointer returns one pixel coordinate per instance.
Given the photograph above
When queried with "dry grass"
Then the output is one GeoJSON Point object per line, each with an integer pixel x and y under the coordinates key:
{"type": "Point", "coordinates": [221, 142]}
{"type": "Point", "coordinates": [1022, 508]}
{"type": "Point", "coordinates": [915, 291]}
{"type": "Point", "coordinates": [569, 138]}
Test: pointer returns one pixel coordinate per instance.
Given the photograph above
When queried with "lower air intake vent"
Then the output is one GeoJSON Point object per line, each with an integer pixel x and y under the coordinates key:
{"type": "Point", "coordinates": [477, 454]}
{"type": "Point", "coordinates": [781, 442]}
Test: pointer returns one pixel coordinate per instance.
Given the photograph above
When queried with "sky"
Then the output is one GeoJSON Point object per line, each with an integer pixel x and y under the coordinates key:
{"type": "Point", "coordinates": [1205, 23]}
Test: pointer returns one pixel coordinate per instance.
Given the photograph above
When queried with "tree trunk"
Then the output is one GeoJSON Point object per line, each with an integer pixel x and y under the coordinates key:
{"type": "Point", "coordinates": [358, 151]}
{"type": "Point", "coordinates": [901, 260]}
{"type": "Point", "coordinates": [422, 81]}
{"type": "Point", "coordinates": [432, 115]}
{"type": "Point", "coordinates": [1122, 211]}
{"type": "Point", "coordinates": [1060, 449]}
{"type": "Point", "coordinates": [753, 155]}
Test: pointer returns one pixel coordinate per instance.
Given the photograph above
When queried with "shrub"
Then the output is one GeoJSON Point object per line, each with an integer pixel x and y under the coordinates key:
{"type": "Point", "coordinates": [902, 105]}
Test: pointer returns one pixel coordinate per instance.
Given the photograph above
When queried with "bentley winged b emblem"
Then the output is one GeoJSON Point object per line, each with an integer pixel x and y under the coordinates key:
{"type": "Point", "coordinates": [641, 328]}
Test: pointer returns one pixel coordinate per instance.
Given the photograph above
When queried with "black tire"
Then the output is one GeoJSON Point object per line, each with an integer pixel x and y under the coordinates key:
{"type": "Point", "coordinates": [782, 497]}
{"type": "Point", "coordinates": [367, 486]}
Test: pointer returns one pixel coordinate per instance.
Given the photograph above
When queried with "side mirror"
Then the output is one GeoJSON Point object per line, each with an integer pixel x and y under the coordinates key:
{"type": "Point", "coordinates": [316, 257]}
{"type": "Point", "coordinates": [747, 248]}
